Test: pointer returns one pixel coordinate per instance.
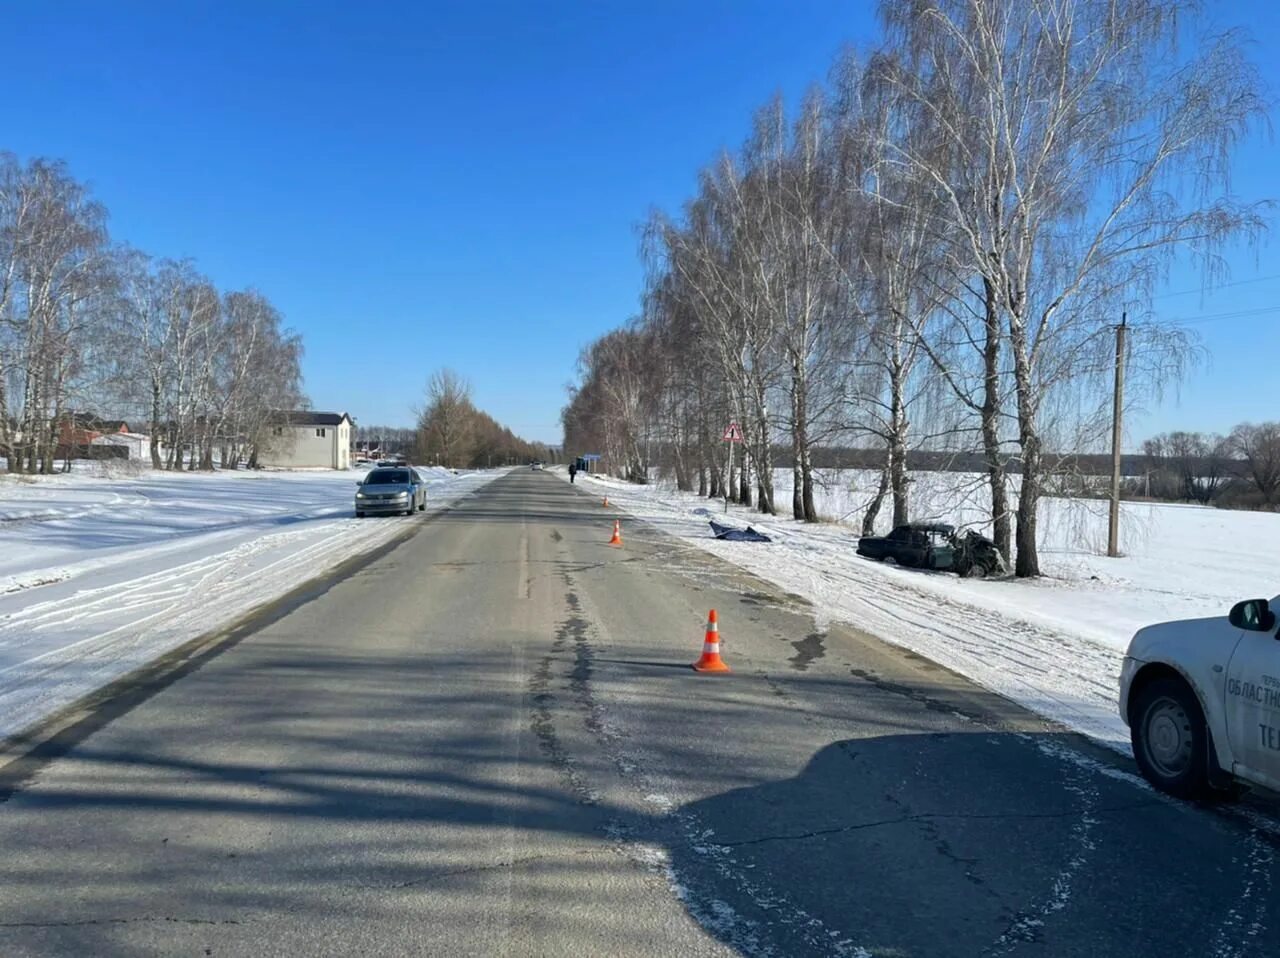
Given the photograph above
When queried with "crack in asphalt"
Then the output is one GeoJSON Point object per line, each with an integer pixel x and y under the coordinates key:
{"type": "Point", "coordinates": [467, 870]}
{"type": "Point", "coordinates": [925, 817]}
{"type": "Point", "coordinates": [85, 922]}
{"type": "Point", "coordinates": [457, 872]}
{"type": "Point", "coordinates": [921, 697]}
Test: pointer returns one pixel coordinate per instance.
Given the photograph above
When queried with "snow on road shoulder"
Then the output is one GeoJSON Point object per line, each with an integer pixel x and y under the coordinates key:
{"type": "Point", "coordinates": [1016, 638]}
{"type": "Point", "coordinates": [100, 576]}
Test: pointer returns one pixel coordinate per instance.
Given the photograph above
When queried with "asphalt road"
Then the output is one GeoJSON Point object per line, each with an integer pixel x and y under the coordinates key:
{"type": "Point", "coordinates": [488, 741]}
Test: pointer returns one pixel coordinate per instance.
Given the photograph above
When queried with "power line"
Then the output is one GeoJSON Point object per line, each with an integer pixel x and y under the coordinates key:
{"type": "Point", "coordinates": [1218, 317]}
{"type": "Point", "coordinates": [1209, 290]}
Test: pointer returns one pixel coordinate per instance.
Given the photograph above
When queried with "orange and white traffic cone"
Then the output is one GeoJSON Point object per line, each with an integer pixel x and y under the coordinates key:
{"type": "Point", "coordinates": [617, 534]}
{"type": "Point", "coordinates": [711, 661]}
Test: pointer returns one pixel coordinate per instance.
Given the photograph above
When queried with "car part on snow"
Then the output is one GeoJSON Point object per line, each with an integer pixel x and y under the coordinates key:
{"type": "Point", "coordinates": [731, 534]}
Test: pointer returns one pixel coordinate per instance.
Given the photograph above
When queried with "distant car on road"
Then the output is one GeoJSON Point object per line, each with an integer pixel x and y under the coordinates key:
{"type": "Point", "coordinates": [1201, 698]}
{"type": "Point", "coordinates": [391, 489]}
{"type": "Point", "coordinates": [536, 465]}
{"type": "Point", "coordinates": [935, 545]}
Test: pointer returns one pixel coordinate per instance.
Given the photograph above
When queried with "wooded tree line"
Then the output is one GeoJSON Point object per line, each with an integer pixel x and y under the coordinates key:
{"type": "Point", "coordinates": [1240, 469]}
{"type": "Point", "coordinates": [87, 323]}
{"type": "Point", "coordinates": [452, 432]}
{"type": "Point", "coordinates": [932, 252]}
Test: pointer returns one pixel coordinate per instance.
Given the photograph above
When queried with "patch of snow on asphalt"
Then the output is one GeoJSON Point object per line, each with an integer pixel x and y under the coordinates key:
{"type": "Point", "coordinates": [1245, 922]}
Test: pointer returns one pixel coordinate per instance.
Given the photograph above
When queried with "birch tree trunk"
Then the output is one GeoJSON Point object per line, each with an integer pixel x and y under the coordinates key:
{"type": "Point", "coordinates": [898, 426]}
{"type": "Point", "coordinates": [877, 501]}
{"type": "Point", "coordinates": [154, 438]}
{"type": "Point", "coordinates": [1028, 560]}
{"type": "Point", "coordinates": [996, 478]}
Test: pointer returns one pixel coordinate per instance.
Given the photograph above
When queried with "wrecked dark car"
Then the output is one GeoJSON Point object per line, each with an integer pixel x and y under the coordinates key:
{"type": "Point", "coordinates": [936, 545]}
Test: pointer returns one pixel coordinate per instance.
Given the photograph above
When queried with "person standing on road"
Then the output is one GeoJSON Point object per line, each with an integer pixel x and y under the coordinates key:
{"type": "Point", "coordinates": [573, 470]}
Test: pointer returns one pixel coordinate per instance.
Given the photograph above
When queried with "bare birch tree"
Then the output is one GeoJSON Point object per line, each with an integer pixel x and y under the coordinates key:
{"type": "Point", "coordinates": [1085, 152]}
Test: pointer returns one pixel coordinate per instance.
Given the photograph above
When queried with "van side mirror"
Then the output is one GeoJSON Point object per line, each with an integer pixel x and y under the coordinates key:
{"type": "Point", "coordinates": [1253, 615]}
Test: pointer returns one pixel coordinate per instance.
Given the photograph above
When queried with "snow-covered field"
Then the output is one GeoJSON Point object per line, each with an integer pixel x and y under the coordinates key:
{"type": "Point", "coordinates": [100, 575]}
{"type": "Point", "coordinates": [1054, 644]}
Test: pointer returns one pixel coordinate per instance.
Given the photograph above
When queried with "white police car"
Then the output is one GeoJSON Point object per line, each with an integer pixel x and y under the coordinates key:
{"type": "Point", "coordinates": [1202, 700]}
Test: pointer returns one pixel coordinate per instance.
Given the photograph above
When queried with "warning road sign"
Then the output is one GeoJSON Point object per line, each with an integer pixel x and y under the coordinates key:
{"type": "Point", "coordinates": [732, 433]}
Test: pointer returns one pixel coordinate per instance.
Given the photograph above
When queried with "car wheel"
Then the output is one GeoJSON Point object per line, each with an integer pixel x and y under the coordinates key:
{"type": "Point", "coordinates": [359, 515]}
{"type": "Point", "coordinates": [1170, 740]}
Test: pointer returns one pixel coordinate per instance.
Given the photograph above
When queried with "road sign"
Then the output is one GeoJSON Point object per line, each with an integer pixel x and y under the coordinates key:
{"type": "Point", "coordinates": [591, 457]}
{"type": "Point", "coordinates": [732, 433]}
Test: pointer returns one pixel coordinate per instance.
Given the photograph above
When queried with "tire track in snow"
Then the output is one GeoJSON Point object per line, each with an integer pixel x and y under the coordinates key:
{"type": "Point", "coordinates": [54, 514]}
{"type": "Point", "coordinates": [1017, 653]}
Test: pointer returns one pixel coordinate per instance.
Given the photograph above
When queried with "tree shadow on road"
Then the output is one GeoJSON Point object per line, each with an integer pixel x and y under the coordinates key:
{"type": "Point", "coordinates": [950, 844]}
{"type": "Point", "coordinates": [355, 785]}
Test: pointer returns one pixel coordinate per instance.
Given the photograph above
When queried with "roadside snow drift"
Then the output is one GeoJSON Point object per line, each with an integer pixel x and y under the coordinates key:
{"type": "Point", "coordinates": [99, 576]}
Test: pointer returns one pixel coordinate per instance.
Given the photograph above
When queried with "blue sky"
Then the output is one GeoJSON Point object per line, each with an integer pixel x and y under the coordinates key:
{"type": "Point", "coordinates": [427, 184]}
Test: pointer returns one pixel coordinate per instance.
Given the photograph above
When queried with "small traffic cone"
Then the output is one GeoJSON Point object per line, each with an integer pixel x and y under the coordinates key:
{"type": "Point", "coordinates": [617, 534]}
{"type": "Point", "coordinates": [711, 661]}
{"type": "Point", "coordinates": [606, 502]}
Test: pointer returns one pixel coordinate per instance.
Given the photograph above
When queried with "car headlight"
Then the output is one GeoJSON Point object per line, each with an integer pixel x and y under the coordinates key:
{"type": "Point", "coordinates": [359, 495]}
{"type": "Point", "coordinates": [402, 495]}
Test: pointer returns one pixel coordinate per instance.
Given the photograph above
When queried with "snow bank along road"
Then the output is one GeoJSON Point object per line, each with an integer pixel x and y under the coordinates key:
{"type": "Point", "coordinates": [98, 576]}
{"type": "Point", "coordinates": [519, 761]}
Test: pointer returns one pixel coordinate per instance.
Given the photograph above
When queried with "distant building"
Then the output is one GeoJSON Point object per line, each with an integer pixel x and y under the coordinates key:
{"type": "Point", "coordinates": [305, 439]}
{"type": "Point", "coordinates": [82, 428]}
{"type": "Point", "coordinates": [83, 435]}
{"type": "Point", "coordinates": [135, 444]}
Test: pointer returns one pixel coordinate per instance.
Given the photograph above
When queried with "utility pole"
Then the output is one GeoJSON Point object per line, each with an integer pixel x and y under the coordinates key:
{"type": "Point", "coordinates": [1113, 526]}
